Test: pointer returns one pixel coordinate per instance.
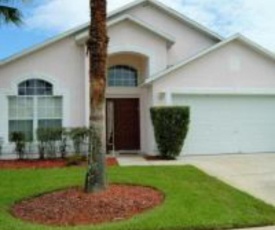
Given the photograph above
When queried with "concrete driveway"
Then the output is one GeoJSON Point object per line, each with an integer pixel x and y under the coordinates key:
{"type": "Point", "coordinates": [253, 173]}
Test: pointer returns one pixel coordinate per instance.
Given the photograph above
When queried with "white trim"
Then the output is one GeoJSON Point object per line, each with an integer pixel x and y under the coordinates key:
{"type": "Point", "coordinates": [83, 37]}
{"type": "Point", "coordinates": [168, 98]}
{"type": "Point", "coordinates": [171, 12]}
{"type": "Point", "coordinates": [124, 92]}
{"type": "Point", "coordinates": [219, 91]}
{"type": "Point", "coordinates": [127, 94]}
{"type": "Point", "coordinates": [87, 89]}
{"type": "Point", "coordinates": [58, 92]}
{"type": "Point", "coordinates": [85, 26]}
{"type": "Point", "coordinates": [34, 75]}
{"type": "Point", "coordinates": [112, 50]}
{"type": "Point", "coordinates": [236, 37]}
{"type": "Point", "coordinates": [43, 45]}
{"type": "Point", "coordinates": [185, 19]}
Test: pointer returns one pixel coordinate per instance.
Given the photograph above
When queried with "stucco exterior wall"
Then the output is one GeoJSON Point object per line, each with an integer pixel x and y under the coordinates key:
{"type": "Point", "coordinates": [140, 63]}
{"type": "Point", "coordinates": [143, 94]}
{"type": "Point", "coordinates": [62, 64]}
{"type": "Point", "coordinates": [129, 37]}
{"type": "Point", "coordinates": [189, 41]}
{"type": "Point", "coordinates": [234, 66]}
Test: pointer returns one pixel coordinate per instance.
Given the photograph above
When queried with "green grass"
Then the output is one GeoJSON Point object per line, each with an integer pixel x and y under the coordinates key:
{"type": "Point", "coordinates": [193, 199]}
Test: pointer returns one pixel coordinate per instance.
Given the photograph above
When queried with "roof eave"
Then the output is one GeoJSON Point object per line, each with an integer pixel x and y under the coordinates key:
{"type": "Point", "coordinates": [83, 37]}
{"type": "Point", "coordinates": [110, 15]}
{"type": "Point", "coordinates": [238, 37]}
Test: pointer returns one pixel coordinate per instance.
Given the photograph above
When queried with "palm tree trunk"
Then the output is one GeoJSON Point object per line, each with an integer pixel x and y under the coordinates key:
{"type": "Point", "coordinates": [97, 48]}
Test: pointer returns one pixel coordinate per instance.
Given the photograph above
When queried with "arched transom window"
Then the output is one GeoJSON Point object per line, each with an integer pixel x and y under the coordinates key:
{"type": "Point", "coordinates": [35, 106]}
{"type": "Point", "coordinates": [35, 87]}
{"type": "Point", "coordinates": [122, 76]}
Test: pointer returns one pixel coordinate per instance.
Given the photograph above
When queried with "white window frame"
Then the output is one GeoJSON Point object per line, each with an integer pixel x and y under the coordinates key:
{"type": "Point", "coordinates": [118, 68]}
{"type": "Point", "coordinates": [35, 119]}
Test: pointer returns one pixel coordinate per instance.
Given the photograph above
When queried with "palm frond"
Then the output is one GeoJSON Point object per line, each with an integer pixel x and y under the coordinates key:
{"type": "Point", "coordinates": [10, 15]}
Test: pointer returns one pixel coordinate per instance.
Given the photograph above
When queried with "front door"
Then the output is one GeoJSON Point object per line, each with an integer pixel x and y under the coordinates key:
{"type": "Point", "coordinates": [123, 124]}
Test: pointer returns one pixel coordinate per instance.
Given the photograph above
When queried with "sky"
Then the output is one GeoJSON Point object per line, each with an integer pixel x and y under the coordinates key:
{"type": "Point", "coordinates": [44, 19]}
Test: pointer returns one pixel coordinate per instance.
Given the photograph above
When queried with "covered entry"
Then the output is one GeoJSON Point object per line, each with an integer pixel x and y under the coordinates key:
{"type": "Point", "coordinates": [123, 124]}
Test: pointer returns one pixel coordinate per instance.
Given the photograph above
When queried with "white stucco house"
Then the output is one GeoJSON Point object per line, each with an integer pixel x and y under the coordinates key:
{"type": "Point", "coordinates": [156, 57]}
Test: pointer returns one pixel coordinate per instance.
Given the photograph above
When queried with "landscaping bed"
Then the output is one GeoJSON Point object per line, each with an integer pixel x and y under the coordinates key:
{"type": "Point", "coordinates": [36, 164]}
{"type": "Point", "coordinates": [193, 200]}
{"type": "Point", "coordinates": [74, 207]}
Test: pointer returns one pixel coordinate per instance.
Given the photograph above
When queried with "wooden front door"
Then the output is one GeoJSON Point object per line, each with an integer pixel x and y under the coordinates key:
{"type": "Point", "coordinates": [123, 124]}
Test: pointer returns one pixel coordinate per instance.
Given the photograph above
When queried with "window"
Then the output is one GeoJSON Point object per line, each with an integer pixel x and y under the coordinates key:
{"type": "Point", "coordinates": [34, 107]}
{"type": "Point", "coordinates": [122, 76]}
{"type": "Point", "coordinates": [35, 87]}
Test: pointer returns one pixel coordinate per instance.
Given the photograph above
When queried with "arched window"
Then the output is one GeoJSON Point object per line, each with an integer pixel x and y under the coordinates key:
{"type": "Point", "coordinates": [122, 76]}
{"type": "Point", "coordinates": [34, 107]}
{"type": "Point", "coordinates": [35, 87]}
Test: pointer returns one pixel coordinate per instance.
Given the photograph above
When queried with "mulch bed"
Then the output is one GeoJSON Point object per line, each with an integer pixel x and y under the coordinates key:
{"type": "Point", "coordinates": [36, 164]}
{"type": "Point", "coordinates": [74, 207]}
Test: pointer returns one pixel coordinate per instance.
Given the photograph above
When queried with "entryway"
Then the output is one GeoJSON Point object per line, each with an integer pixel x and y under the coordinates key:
{"type": "Point", "coordinates": [122, 124]}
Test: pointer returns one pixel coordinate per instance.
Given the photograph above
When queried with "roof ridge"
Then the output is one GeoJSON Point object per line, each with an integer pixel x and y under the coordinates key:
{"type": "Point", "coordinates": [111, 14]}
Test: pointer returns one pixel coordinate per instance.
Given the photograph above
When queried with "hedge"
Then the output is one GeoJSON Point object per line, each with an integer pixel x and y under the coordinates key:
{"type": "Point", "coordinates": [170, 128]}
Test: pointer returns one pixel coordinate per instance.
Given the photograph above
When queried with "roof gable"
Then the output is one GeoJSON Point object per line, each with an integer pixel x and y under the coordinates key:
{"type": "Point", "coordinates": [171, 12]}
{"type": "Point", "coordinates": [111, 16]}
{"type": "Point", "coordinates": [237, 37]}
{"type": "Point", "coordinates": [82, 38]}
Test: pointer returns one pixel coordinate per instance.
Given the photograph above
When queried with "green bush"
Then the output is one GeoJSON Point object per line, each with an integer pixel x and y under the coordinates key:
{"type": "Point", "coordinates": [80, 138]}
{"type": "Point", "coordinates": [64, 143]}
{"type": "Point", "coordinates": [48, 138]}
{"type": "Point", "coordinates": [170, 127]}
{"type": "Point", "coordinates": [20, 143]}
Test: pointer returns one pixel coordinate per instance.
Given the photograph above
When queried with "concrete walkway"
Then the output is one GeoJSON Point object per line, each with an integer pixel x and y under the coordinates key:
{"type": "Point", "coordinates": [252, 173]}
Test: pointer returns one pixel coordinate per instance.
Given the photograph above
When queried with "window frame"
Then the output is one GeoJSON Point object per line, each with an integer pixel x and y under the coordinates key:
{"type": "Point", "coordinates": [33, 86]}
{"type": "Point", "coordinates": [123, 70]}
{"type": "Point", "coordinates": [35, 108]}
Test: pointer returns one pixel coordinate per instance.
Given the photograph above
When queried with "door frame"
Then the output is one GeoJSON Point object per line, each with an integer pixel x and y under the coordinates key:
{"type": "Point", "coordinates": [106, 125]}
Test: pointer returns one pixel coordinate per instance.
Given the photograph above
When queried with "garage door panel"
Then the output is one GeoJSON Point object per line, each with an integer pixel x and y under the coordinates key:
{"type": "Point", "coordinates": [209, 139]}
{"type": "Point", "coordinates": [229, 124]}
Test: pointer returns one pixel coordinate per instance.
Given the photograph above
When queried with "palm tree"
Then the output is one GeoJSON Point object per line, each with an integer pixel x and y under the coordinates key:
{"type": "Point", "coordinates": [9, 13]}
{"type": "Point", "coordinates": [97, 49]}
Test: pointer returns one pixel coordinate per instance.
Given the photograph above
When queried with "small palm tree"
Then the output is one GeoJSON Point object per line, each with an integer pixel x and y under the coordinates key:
{"type": "Point", "coordinates": [9, 13]}
{"type": "Point", "coordinates": [97, 49]}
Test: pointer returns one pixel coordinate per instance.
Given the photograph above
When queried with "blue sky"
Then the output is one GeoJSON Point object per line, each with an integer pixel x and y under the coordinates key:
{"type": "Point", "coordinates": [47, 18]}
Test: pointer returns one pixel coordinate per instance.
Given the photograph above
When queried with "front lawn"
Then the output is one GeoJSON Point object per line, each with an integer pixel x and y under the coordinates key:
{"type": "Point", "coordinates": [193, 199]}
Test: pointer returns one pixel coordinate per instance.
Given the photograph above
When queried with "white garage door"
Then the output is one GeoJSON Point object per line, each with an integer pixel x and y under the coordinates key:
{"type": "Point", "coordinates": [229, 124]}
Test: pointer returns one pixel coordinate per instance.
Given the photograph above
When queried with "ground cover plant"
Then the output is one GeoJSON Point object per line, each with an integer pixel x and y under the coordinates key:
{"type": "Point", "coordinates": [193, 200]}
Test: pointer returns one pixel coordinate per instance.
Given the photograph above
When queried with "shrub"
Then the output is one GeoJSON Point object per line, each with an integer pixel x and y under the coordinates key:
{"type": "Point", "coordinates": [80, 137]}
{"type": "Point", "coordinates": [20, 143]}
{"type": "Point", "coordinates": [64, 143]}
{"type": "Point", "coordinates": [170, 127]}
{"type": "Point", "coordinates": [48, 138]}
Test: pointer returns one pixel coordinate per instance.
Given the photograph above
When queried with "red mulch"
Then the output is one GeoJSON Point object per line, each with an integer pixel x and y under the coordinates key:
{"type": "Point", "coordinates": [36, 164]}
{"type": "Point", "coordinates": [74, 207]}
